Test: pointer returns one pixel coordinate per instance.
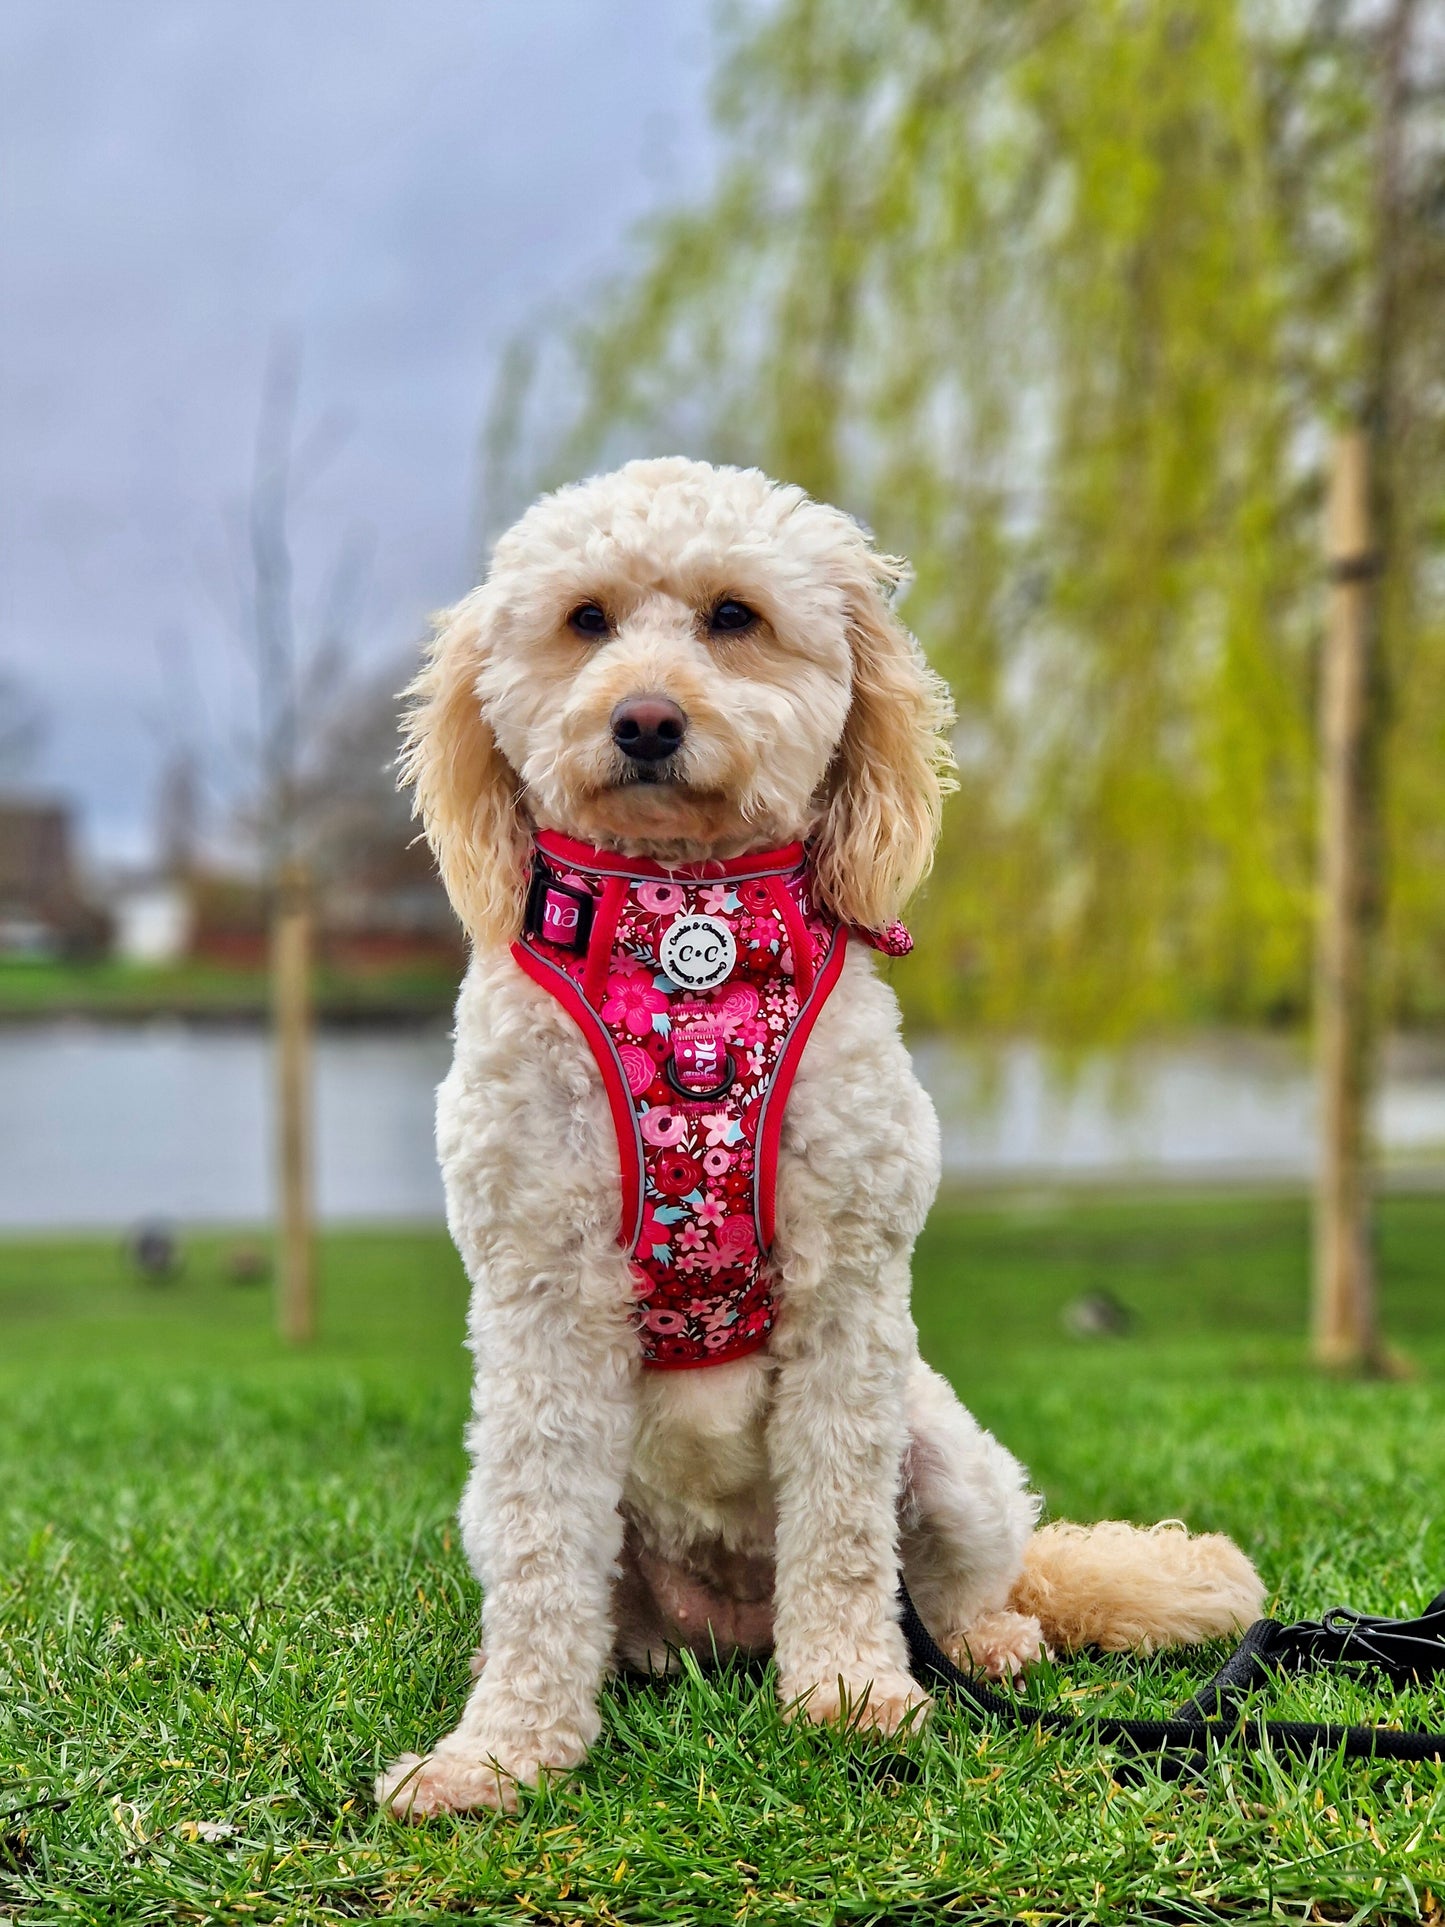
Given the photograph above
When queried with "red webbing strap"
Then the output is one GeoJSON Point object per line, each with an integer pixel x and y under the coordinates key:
{"type": "Point", "coordinates": [786, 905]}
{"type": "Point", "coordinates": [599, 941]}
{"type": "Point", "coordinates": [770, 1127]}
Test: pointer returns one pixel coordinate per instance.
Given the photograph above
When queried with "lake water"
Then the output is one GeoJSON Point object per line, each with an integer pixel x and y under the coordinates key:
{"type": "Point", "coordinates": [106, 1125]}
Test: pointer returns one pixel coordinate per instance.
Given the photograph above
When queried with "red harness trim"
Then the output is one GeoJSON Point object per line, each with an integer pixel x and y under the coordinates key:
{"type": "Point", "coordinates": [611, 863]}
{"type": "Point", "coordinates": [770, 1130]}
{"type": "Point", "coordinates": [692, 1315]}
{"type": "Point", "coordinates": [614, 1081]}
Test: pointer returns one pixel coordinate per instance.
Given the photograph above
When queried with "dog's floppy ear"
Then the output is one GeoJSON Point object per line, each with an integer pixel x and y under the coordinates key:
{"type": "Point", "coordinates": [891, 770]}
{"type": "Point", "coordinates": [464, 790]}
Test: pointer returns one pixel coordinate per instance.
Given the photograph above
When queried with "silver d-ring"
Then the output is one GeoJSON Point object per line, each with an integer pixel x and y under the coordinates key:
{"type": "Point", "coordinates": [718, 1090]}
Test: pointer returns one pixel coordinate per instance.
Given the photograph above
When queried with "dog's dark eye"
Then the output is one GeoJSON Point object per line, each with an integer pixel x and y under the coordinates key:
{"type": "Point", "coordinates": [730, 616]}
{"type": "Point", "coordinates": [589, 620]}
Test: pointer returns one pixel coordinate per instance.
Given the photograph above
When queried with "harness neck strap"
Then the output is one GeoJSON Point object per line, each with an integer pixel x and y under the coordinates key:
{"type": "Point", "coordinates": [584, 921]}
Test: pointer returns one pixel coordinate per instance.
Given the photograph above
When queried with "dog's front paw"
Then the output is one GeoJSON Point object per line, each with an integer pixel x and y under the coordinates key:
{"type": "Point", "coordinates": [881, 1704]}
{"type": "Point", "coordinates": [1000, 1645]}
{"type": "Point", "coordinates": [415, 1788]}
{"type": "Point", "coordinates": [467, 1771]}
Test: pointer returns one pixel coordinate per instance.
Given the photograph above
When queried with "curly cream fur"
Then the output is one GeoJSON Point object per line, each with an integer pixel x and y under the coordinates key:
{"type": "Point", "coordinates": [615, 1515]}
{"type": "Point", "coordinates": [892, 768]}
{"type": "Point", "coordinates": [466, 794]}
{"type": "Point", "coordinates": [1117, 1586]}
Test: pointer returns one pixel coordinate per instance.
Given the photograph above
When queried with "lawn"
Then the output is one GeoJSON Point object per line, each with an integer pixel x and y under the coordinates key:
{"type": "Point", "coordinates": [230, 1587]}
{"type": "Point", "coordinates": [35, 989]}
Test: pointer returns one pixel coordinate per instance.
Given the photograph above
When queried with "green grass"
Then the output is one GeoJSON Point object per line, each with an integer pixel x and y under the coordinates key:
{"type": "Point", "coordinates": [230, 1588]}
{"type": "Point", "coordinates": [32, 990]}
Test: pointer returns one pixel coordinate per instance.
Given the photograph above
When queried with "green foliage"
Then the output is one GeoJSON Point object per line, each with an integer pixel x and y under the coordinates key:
{"type": "Point", "coordinates": [1064, 301]}
{"type": "Point", "coordinates": [230, 1587]}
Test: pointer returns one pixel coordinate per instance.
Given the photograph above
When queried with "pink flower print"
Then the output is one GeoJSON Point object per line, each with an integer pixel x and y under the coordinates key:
{"type": "Point", "coordinates": [714, 1260]}
{"type": "Point", "coordinates": [716, 900]}
{"type": "Point", "coordinates": [710, 1211]}
{"type": "Point", "coordinates": [631, 1001]}
{"type": "Point", "coordinates": [657, 1319]}
{"type": "Point", "coordinates": [785, 960]}
{"type": "Point", "coordinates": [757, 1061]}
{"type": "Point", "coordinates": [661, 898]}
{"type": "Point", "coordinates": [735, 1236]}
{"type": "Point", "coordinates": [663, 1126]}
{"type": "Point", "coordinates": [738, 1003]}
{"type": "Point", "coordinates": [637, 1066]}
{"type": "Point", "coordinates": [759, 933]}
{"type": "Point", "coordinates": [641, 1283]}
{"type": "Point", "coordinates": [717, 1124]}
{"type": "Point", "coordinates": [752, 1030]}
{"type": "Point", "coordinates": [692, 1237]}
{"type": "Point", "coordinates": [715, 1162]}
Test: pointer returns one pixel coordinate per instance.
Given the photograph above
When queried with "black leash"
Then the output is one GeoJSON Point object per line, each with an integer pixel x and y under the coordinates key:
{"type": "Point", "coordinates": [1406, 1651]}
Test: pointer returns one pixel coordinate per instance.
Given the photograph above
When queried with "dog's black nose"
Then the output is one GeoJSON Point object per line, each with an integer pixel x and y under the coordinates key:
{"type": "Point", "coordinates": [648, 728]}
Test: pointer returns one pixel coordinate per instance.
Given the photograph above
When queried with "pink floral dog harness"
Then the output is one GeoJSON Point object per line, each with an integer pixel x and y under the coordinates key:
{"type": "Point", "coordinates": [696, 989]}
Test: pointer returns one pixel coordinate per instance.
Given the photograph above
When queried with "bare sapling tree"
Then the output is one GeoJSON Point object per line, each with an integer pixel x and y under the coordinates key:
{"type": "Point", "coordinates": [22, 728]}
{"type": "Point", "coordinates": [297, 687]}
{"type": "Point", "coordinates": [1346, 1324]}
{"type": "Point", "coordinates": [1363, 554]}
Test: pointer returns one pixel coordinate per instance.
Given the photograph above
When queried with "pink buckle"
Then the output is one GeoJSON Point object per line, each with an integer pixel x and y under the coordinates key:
{"type": "Point", "coordinates": [700, 1065]}
{"type": "Point", "coordinates": [556, 912]}
{"type": "Point", "coordinates": [561, 917]}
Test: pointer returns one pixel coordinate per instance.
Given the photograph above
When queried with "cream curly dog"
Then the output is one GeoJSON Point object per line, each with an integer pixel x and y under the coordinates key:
{"type": "Point", "coordinates": [687, 663]}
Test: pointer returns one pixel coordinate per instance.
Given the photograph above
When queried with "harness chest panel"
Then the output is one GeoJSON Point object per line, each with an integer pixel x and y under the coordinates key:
{"type": "Point", "coordinates": [697, 1064]}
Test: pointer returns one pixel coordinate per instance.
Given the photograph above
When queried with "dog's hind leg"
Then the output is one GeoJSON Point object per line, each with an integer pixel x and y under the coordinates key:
{"type": "Point", "coordinates": [996, 1593]}
{"type": "Point", "coordinates": [966, 1517]}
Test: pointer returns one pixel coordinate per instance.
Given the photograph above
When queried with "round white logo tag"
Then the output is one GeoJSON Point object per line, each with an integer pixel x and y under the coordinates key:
{"type": "Point", "coordinates": [698, 952]}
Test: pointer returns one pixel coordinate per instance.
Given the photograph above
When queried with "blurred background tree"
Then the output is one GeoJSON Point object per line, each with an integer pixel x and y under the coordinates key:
{"type": "Point", "coordinates": [1066, 301]}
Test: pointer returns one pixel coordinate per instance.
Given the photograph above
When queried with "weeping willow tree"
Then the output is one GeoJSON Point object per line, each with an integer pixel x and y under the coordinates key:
{"type": "Point", "coordinates": [1063, 299]}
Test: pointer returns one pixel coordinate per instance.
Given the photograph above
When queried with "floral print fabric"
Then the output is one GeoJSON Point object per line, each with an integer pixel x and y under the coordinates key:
{"type": "Point", "coordinates": [702, 1289]}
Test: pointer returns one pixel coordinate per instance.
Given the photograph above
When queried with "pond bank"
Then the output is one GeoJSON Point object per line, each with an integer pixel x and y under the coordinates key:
{"type": "Point", "coordinates": [105, 1125]}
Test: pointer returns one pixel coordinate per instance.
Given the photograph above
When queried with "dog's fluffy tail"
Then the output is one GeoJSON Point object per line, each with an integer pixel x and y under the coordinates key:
{"type": "Point", "coordinates": [1115, 1586]}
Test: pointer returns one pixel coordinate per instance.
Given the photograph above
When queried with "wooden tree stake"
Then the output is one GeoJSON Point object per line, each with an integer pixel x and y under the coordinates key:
{"type": "Point", "coordinates": [1346, 1330]}
{"type": "Point", "coordinates": [291, 1017]}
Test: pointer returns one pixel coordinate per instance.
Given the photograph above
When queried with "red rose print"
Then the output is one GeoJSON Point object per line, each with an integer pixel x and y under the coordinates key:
{"type": "Point", "coordinates": [676, 1175]}
{"type": "Point", "coordinates": [638, 1068]}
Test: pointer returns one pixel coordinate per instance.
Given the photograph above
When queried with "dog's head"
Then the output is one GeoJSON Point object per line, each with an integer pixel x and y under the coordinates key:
{"type": "Point", "coordinates": [679, 661]}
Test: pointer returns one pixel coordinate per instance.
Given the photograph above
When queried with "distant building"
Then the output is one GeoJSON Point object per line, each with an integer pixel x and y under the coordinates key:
{"type": "Point", "coordinates": [153, 920]}
{"type": "Point", "coordinates": [43, 910]}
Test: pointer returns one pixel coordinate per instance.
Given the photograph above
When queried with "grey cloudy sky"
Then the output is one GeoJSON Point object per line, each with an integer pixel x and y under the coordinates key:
{"type": "Point", "coordinates": [401, 185]}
